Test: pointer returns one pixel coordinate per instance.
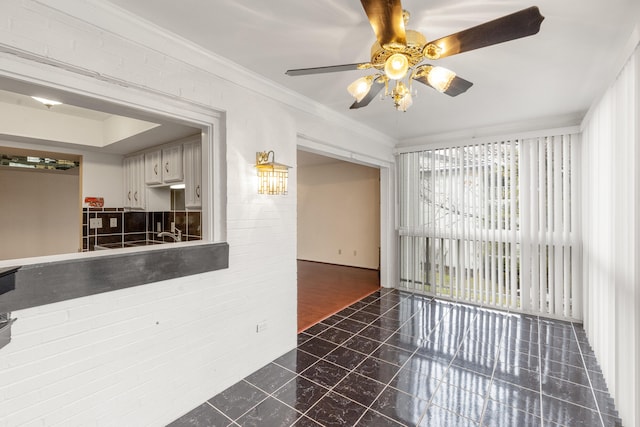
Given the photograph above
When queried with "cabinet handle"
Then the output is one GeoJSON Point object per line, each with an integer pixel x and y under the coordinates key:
{"type": "Point", "coordinates": [129, 195]}
{"type": "Point", "coordinates": [166, 167]}
{"type": "Point", "coordinates": [135, 196]}
{"type": "Point", "coordinates": [198, 191]}
{"type": "Point", "coordinates": [155, 169]}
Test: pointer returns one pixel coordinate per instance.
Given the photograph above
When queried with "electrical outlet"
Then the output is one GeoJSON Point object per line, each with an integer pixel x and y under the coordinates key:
{"type": "Point", "coordinates": [113, 222]}
{"type": "Point", "coordinates": [158, 226]}
{"type": "Point", "coordinates": [339, 251]}
{"type": "Point", "coordinates": [355, 253]}
{"type": "Point", "coordinates": [95, 222]}
{"type": "Point", "coordinates": [261, 326]}
{"type": "Point", "coordinates": [173, 227]}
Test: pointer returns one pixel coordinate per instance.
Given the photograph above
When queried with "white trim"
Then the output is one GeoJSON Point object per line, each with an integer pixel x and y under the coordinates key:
{"type": "Point", "coordinates": [388, 251]}
{"type": "Point", "coordinates": [314, 145]}
{"type": "Point", "coordinates": [488, 139]}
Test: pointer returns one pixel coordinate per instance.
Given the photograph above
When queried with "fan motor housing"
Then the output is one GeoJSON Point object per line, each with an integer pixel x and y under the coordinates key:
{"type": "Point", "coordinates": [413, 50]}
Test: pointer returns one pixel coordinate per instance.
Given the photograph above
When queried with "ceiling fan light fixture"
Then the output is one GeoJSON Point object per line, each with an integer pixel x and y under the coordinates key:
{"type": "Point", "coordinates": [396, 66]}
{"type": "Point", "coordinates": [360, 88]}
{"type": "Point", "coordinates": [440, 78]}
{"type": "Point", "coordinates": [402, 98]}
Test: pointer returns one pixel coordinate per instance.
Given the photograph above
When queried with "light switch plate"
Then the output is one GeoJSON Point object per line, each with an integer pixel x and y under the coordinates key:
{"type": "Point", "coordinates": [113, 222]}
{"type": "Point", "coordinates": [95, 222]}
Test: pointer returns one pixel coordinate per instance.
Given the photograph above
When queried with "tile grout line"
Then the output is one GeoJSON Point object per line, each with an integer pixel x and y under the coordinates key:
{"type": "Point", "coordinates": [430, 402]}
{"type": "Point", "coordinates": [493, 373]}
{"type": "Point", "coordinates": [584, 365]}
{"type": "Point", "coordinates": [422, 310]}
{"type": "Point", "coordinates": [332, 388]}
{"type": "Point", "coordinates": [404, 364]}
{"type": "Point", "coordinates": [223, 414]}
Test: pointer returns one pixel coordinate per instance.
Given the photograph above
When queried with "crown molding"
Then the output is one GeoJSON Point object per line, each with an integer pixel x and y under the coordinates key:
{"type": "Point", "coordinates": [124, 25]}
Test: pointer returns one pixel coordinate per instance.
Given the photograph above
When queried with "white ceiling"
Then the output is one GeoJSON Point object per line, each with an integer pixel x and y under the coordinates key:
{"type": "Point", "coordinates": [117, 130]}
{"type": "Point", "coordinates": [549, 79]}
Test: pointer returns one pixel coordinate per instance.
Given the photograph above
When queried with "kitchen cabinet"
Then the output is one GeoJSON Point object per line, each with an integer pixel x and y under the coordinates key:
{"type": "Point", "coordinates": [153, 167]}
{"type": "Point", "coordinates": [172, 164]}
{"type": "Point", "coordinates": [163, 166]}
{"type": "Point", "coordinates": [134, 182]}
{"type": "Point", "coordinates": [193, 174]}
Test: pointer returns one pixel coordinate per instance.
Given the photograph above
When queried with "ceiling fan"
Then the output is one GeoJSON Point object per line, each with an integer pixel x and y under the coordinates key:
{"type": "Point", "coordinates": [398, 53]}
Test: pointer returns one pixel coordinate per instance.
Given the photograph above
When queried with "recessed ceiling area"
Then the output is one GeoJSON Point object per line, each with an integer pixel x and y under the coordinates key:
{"type": "Point", "coordinates": [80, 121]}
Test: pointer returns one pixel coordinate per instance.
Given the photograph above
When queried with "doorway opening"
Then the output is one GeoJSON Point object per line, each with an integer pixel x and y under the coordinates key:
{"type": "Point", "coordinates": [338, 235]}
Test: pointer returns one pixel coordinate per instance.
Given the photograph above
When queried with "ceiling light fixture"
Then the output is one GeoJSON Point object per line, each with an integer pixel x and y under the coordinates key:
{"type": "Point", "coordinates": [401, 64]}
{"type": "Point", "coordinates": [398, 52]}
{"type": "Point", "coordinates": [438, 78]}
{"type": "Point", "coordinates": [47, 102]}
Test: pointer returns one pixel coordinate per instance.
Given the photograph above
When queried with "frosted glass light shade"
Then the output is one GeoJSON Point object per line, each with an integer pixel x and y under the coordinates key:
{"type": "Point", "coordinates": [396, 66]}
{"type": "Point", "coordinates": [360, 88]}
{"type": "Point", "coordinates": [440, 78]}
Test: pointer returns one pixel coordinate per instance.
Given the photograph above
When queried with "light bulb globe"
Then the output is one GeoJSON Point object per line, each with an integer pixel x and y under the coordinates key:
{"type": "Point", "coordinates": [396, 66]}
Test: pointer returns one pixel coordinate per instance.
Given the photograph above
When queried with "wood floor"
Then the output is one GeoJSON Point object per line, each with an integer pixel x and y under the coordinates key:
{"type": "Point", "coordinates": [325, 289]}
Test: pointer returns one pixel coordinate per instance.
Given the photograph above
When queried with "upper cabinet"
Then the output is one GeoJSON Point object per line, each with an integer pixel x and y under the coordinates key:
{"type": "Point", "coordinates": [148, 175]}
{"type": "Point", "coordinates": [163, 166]}
{"type": "Point", "coordinates": [172, 164]}
{"type": "Point", "coordinates": [193, 174]}
{"type": "Point", "coordinates": [134, 185]}
{"type": "Point", "coordinates": [153, 167]}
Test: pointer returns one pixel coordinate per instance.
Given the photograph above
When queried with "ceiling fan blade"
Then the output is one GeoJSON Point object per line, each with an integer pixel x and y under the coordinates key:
{"type": "Point", "coordinates": [373, 92]}
{"type": "Point", "coordinates": [510, 27]}
{"type": "Point", "coordinates": [457, 85]}
{"type": "Point", "coordinates": [321, 70]}
{"type": "Point", "coordinates": [386, 19]}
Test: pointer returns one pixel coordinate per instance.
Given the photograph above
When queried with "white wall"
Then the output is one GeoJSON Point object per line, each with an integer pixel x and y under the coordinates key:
{"type": "Point", "coordinates": [101, 172]}
{"type": "Point", "coordinates": [339, 214]}
{"type": "Point", "coordinates": [39, 213]}
{"type": "Point", "coordinates": [146, 355]}
{"type": "Point", "coordinates": [611, 233]}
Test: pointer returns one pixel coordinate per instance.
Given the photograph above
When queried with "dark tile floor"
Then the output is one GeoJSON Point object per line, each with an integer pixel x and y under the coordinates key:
{"type": "Point", "coordinates": [395, 359]}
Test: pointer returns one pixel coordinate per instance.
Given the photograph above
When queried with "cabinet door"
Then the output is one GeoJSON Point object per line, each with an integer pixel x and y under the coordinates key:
{"type": "Point", "coordinates": [172, 164]}
{"type": "Point", "coordinates": [128, 182]}
{"type": "Point", "coordinates": [134, 185]}
{"type": "Point", "coordinates": [153, 167]}
{"type": "Point", "coordinates": [139, 187]}
{"type": "Point", "coordinates": [193, 174]}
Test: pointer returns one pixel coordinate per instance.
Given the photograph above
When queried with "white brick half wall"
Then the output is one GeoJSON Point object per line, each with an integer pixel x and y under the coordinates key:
{"type": "Point", "coordinates": [146, 355]}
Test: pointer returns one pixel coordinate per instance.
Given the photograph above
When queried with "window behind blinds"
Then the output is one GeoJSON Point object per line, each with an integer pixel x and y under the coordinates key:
{"type": "Point", "coordinates": [493, 224]}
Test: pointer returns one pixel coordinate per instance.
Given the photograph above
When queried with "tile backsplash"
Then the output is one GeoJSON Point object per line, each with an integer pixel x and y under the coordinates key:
{"type": "Point", "coordinates": [134, 226]}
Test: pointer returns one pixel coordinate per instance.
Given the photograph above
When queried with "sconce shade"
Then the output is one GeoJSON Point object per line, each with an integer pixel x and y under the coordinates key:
{"type": "Point", "coordinates": [272, 177]}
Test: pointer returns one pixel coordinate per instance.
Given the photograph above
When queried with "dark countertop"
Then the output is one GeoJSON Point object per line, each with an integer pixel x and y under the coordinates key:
{"type": "Point", "coordinates": [45, 283]}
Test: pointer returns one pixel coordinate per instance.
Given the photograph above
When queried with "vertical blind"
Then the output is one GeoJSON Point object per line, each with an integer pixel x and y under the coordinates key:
{"type": "Point", "coordinates": [610, 149]}
{"type": "Point", "coordinates": [494, 224]}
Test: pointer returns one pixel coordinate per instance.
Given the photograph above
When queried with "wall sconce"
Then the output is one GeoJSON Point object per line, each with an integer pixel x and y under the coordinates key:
{"type": "Point", "coordinates": [272, 176]}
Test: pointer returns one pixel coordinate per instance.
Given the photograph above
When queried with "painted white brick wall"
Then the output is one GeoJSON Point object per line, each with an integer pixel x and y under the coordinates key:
{"type": "Point", "coordinates": [145, 355]}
